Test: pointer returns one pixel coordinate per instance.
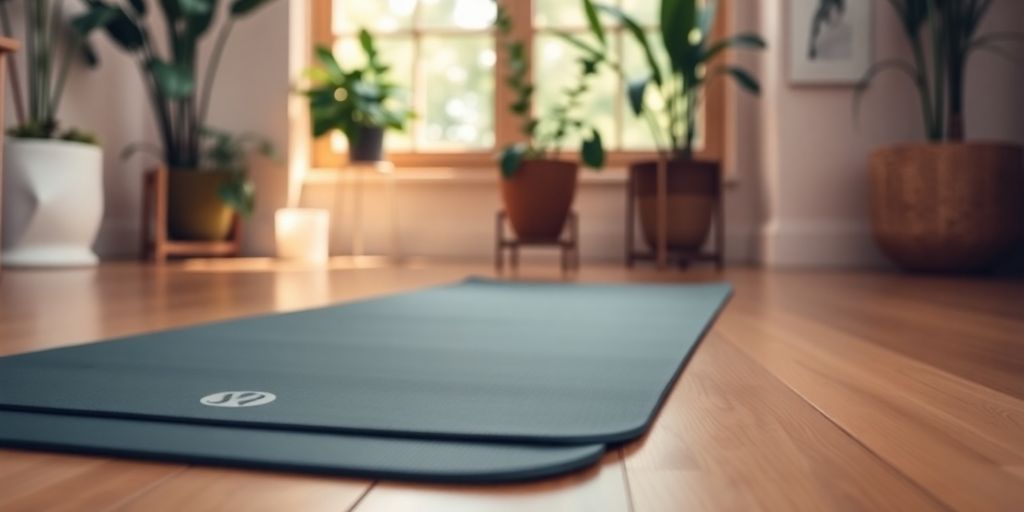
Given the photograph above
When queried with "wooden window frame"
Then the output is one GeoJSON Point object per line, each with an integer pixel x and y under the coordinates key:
{"type": "Point", "coordinates": [506, 124]}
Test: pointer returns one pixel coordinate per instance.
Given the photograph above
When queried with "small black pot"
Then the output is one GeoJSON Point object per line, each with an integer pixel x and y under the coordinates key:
{"type": "Point", "coordinates": [368, 145]}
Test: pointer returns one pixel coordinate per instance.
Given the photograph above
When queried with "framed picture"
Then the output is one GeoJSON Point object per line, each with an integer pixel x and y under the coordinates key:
{"type": "Point", "coordinates": [829, 41]}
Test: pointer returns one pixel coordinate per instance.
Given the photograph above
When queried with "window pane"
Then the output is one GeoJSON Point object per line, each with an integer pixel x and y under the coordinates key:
{"type": "Point", "coordinates": [564, 14]}
{"type": "Point", "coordinates": [396, 51]}
{"type": "Point", "coordinates": [460, 14]}
{"type": "Point", "coordinates": [375, 15]}
{"type": "Point", "coordinates": [458, 96]}
{"type": "Point", "coordinates": [636, 132]}
{"type": "Point", "coordinates": [558, 63]}
{"type": "Point", "coordinates": [558, 13]}
{"type": "Point", "coordinates": [645, 12]}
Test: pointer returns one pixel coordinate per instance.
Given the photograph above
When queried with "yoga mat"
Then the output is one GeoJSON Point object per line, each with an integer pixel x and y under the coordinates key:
{"type": "Point", "coordinates": [480, 360]}
{"type": "Point", "coordinates": [366, 457]}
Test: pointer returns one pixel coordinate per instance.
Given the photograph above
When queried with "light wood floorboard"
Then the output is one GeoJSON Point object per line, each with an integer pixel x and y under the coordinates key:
{"type": "Point", "coordinates": [814, 391]}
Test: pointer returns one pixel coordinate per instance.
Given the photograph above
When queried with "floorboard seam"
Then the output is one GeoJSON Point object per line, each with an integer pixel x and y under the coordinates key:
{"type": "Point", "coordinates": [938, 501]}
{"type": "Point", "coordinates": [147, 489]}
{"type": "Point", "coordinates": [363, 496]}
{"type": "Point", "coordinates": [631, 507]}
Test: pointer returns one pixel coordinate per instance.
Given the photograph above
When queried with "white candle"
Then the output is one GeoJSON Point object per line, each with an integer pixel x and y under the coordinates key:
{"type": "Point", "coordinates": [302, 234]}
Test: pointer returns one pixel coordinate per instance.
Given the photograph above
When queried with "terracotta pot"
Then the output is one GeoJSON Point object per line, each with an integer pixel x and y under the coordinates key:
{"type": "Point", "coordinates": [947, 207]}
{"type": "Point", "coordinates": [538, 198]}
{"type": "Point", "coordinates": [195, 210]}
{"type": "Point", "coordinates": [692, 187]}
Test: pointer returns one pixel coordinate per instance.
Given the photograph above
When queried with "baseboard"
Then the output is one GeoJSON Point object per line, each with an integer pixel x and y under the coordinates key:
{"type": "Point", "coordinates": [475, 240]}
{"type": "Point", "coordinates": [819, 244]}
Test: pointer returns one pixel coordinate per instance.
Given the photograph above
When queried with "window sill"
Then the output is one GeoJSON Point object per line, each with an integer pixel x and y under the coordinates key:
{"type": "Point", "coordinates": [612, 176]}
{"type": "Point", "coordinates": [446, 175]}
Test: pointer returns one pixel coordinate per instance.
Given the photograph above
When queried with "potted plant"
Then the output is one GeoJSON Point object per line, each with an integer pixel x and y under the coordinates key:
{"type": "Point", "coordinates": [538, 186]}
{"type": "Point", "coordinates": [228, 153]}
{"type": "Point", "coordinates": [361, 103]}
{"type": "Point", "coordinates": [180, 101]}
{"type": "Point", "coordinates": [685, 30]}
{"type": "Point", "coordinates": [53, 195]}
{"type": "Point", "coordinates": [946, 204]}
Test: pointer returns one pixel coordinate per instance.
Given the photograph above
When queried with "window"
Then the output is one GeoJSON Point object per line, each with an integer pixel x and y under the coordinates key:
{"type": "Point", "coordinates": [444, 53]}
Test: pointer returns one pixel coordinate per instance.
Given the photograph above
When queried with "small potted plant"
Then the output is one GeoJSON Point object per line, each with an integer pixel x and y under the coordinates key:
{"type": "Point", "coordinates": [180, 100]}
{"type": "Point", "coordinates": [538, 186]}
{"type": "Point", "coordinates": [53, 190]}
{"type": "Point", "coordinates": [361, 103]}
{"type": "Point", "coordinates": [228, 152]}
{"type": "Point", "coordinates": [685, 32]}
{"type": "Point", "coordinates": [947, 204]}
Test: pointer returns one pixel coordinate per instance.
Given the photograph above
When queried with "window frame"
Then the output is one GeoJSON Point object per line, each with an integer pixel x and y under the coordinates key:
{"type": "Point", "coordinates": [506, 124]}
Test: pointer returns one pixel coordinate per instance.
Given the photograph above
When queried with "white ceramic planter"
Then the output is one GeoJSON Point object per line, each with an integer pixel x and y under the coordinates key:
{"type": "Point", "coordinates": [52, 203]}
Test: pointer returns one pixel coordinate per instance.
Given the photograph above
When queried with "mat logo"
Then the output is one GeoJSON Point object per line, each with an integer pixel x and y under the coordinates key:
{"type": "Point", "coordinates": [238, 399]}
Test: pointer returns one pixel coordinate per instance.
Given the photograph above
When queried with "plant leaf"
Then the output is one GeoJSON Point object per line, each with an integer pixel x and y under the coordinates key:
{"type": "Point", "coordinates": [635, 93]}
{"type": "Point", "coordinates": [512, 159]}
{"type": "Point", "coordinates": [173, 80]}
{"type": "Point", "coordinates": [95, 17]}
{"type": "Point", "coordinates": [594, 53]}
{"type": "Point", "coordinates": [240, 194]}
{"type": "Point", "coordinates": [638, 33]}
{"type": "Point", "coordinates": [195, 7]}
{"type": "Point", "coordinates": [89, 54]}
{"type": "Point", "coordinates": [330, 64]}
{"type": "Point", "coordinates": [241, 8]}
{"type": "Point", "coordinates": [737, 41]}
{"type": "Point", "coordinates": [592, 150]}
{"type": "Point", "coordinates": [139, 6]}
{"type": "Point", "coordinates": [121, 28]}
{"type": "Point", "coordinates": [742, 77]}
{"type": "Point", "coordinates": [594, 23]}
{"type": "Point", "coordinates": [678, 19]}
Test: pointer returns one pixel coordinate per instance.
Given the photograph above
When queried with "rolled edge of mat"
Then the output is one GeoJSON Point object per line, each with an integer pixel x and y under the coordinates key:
{"type": "Point", "coordinates": [424, 460]}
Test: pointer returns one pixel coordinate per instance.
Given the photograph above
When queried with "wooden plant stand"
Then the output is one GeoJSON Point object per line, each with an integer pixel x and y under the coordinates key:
{"type": "Point", "coordinates": [662, 254]}
{"type": "Point", "coordinates": [357, 180]}
{"type": "Point", "coordinates": [568, 244]}
{"type": "Point", "coordinates": [7, 46]}
{"type": "Point", "coordinates": [157, 245]}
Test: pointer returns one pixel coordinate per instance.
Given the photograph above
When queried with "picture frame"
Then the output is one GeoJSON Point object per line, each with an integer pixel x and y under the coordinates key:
{"type": "Point", "coordinates": [830, 41]}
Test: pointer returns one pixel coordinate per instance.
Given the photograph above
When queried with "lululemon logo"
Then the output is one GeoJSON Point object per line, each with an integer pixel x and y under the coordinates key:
{"type": "Point", "coordinates": [238, 399]}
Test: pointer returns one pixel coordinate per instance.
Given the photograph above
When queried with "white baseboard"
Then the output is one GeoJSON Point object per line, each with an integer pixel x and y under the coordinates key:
{"type": "Point", "coordinates": [454, 221]}
{"type": "Point", "coordinates": [819, 244]}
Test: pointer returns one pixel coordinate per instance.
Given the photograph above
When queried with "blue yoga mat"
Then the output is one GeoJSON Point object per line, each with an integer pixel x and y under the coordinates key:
{"type": "Point", "coordinates": [549, 369]}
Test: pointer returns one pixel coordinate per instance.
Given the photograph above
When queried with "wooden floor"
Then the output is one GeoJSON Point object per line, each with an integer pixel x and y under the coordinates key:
{"type": "Point", "coordinates": [814, 391]}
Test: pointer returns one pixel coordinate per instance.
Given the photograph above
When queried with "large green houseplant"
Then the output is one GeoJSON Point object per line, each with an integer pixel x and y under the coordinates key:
{"type": "Point", "coordinates": [538, 186]}
{"type": "Point", "coordinates": [362, 103]}
{"type": "Point", "coordinates": [945, 205]}
{"type": "Point", "coordinates": [694, 59]}
{"type": "Point", "coordinates": [200, 199]}
{"type": "Point", "coordinates": [53, 196]}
